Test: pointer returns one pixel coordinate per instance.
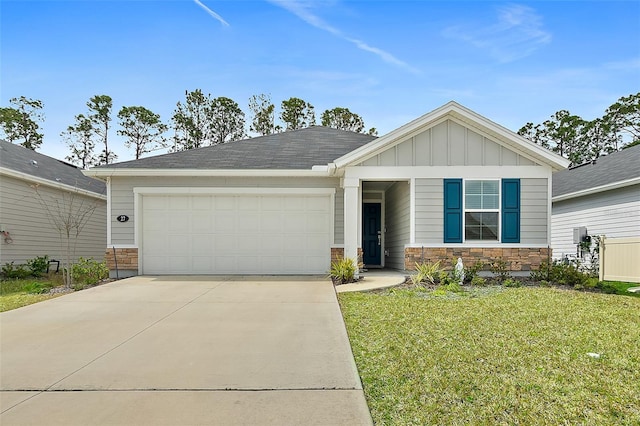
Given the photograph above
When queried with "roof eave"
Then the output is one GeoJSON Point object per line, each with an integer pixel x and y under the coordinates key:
{"type": "Point", "coordinates": [103, 172]}
{"type": "Point", "coordinates": [57, 185]}
{"type": "Point", "coordinates": [597, 189]}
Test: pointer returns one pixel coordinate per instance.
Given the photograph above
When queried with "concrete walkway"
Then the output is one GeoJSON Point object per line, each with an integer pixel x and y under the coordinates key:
{"type": "Point", "coordinates": [374, 279]}
{"type": "Point", "coordinates": [181, 351]}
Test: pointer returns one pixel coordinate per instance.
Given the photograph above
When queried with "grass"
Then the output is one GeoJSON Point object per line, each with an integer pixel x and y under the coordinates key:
{"type": "Point", "coordinates": [16, 293]}
{"type": "Point", "coordinates": [518, 356]}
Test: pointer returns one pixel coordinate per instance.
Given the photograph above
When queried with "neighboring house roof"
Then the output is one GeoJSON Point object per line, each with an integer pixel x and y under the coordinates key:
{"type": "Point", "coordinates": [294, 150]}
{"type": "Point", "coordinates": [21, 162]}
{"type": "Point", "coordinates": [615, 170]}
{"type": "Point", "coordinates": [470, 119]}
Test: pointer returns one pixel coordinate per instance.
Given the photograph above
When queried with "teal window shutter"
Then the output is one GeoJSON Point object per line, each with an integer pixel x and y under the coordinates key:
{"type": "Point", "coordinates": [510, 210]}
{"type": "Point", "coordinates": [453, 210]}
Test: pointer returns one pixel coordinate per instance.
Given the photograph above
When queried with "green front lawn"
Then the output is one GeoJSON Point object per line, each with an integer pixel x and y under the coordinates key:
{"type": "Point", "coordinates": [515, 356]}
{"type": "Point", "coordinates": [15, 293]}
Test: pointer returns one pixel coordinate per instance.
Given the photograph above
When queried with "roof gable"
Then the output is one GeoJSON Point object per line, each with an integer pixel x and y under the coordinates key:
{"type": "Point", "coordinates": [494, 139]}
{"type": "Point", "coordinates": [28, 163]}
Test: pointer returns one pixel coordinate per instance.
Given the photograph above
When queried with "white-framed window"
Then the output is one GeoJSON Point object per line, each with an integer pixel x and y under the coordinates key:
{"type": "Point", "coordinates": [482, 210]}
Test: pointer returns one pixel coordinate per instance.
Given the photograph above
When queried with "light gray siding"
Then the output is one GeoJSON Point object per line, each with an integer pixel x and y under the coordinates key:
{"type": "Point", "coordinates": [534, 199]}
{"type": "Point", "coordinates": [24, 217]}
{"type": "Point", "coordinates": [123, 198]}
{"type": "Point", "coordinates": [448, 144]}
{"type": "Point", "coordinates": [429, 199]}
{"type": "Point", "coordinates": [397, 199]}
{"type": "Point", "coordinates": [614, 213]}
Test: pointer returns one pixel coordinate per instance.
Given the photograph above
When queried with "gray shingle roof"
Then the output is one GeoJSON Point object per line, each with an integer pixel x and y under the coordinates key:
{"type": "Point", "coordinates": [298, 149]}
{"type": "Point", "coordinates": [23, 160]}
{"type": "Point", "coordinates": [615, 167]}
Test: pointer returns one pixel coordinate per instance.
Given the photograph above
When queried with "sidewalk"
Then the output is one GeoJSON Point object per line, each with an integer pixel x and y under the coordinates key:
{"type": "Point", "coordinates": [374, 279]}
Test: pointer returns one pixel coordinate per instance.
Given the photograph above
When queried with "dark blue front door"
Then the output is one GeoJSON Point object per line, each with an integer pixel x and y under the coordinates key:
{"type": "Point", "coordinates": [371, 234]}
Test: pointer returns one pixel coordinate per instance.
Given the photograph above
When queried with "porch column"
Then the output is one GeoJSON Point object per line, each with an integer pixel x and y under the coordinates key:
{"type": "Point", "coordinates": [351, 203]}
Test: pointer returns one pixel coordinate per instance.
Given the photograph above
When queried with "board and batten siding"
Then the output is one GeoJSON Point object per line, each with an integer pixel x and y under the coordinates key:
{"type": "Point", "coordinates": [397, 223]}
{"type": "Point", "coordinates": [448, 144]}
{"type": "Point", "coordinates": [122, 196]}
{"type": "Point", "coordinates": [614, 213]}
{"type": "Point", "coordinates": [23, 216]}
{"type": "Point", "coordinates": [429, 218]}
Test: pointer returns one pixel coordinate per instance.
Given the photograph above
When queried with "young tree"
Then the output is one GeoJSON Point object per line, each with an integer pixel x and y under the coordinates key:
{"type": "Point", "coordinates": [100, 115]}
{"type": "Point", "coordinates": [226, 121]}
{"type": "Point", "coordinates": [20, 122]}
{"type": "Point", "coordinates": [343, 119]}
{"type": "Point", "coordinates": [263, 111]}
{"type": "Point", "coordinates": [297, 114]}
{"type": "Point", "coordinates": [142, 128]}
{"type": "Point", "coordinates": [191, 121]}
{"type": "Point", "coordinates": [79, 137]}
{"type": "Point", "coordinates": [68, 213]}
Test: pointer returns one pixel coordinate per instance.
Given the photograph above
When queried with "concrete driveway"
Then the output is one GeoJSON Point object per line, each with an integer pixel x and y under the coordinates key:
{"type": "Point", "coordinates": [181, 351]}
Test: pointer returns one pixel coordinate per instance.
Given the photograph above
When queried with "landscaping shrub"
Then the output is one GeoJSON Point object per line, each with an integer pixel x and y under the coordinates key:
{"type": "Point", "coordinates": [562, 273]}
{"type": "Point", "coordinates": [343, 271]}
{"type": "Point", "coordinates": [88, 272]}
{"type": "Point", "coordinates": [500, 271]}
{"type": "Point", "coordinates": [510, 282]}
{"type": "Point", "coordinates": [426, 273]}
{"type": "Point", "coordinates": [38, 265]}
{"type": "Point", "coordinates": [471, 272]}
{"type": "Point", "coordinates": [478, 281]}
{"type": "Point", "coordinates": [11, 271]}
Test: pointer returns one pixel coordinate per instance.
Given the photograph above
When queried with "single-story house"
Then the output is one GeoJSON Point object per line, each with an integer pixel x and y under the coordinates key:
{"type": "Point", "coordinates": [597, 198]}
{"type": "Point", "coordinates": [36, 189]}
{"type": "Point", "coordinates": [448, 184]}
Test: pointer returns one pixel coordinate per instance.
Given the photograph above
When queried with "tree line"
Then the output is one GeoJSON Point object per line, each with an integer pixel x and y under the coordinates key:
{"type": "Point", "coordinates": [582, 141]}
{"type": "Point", "coordinates": [200, 120]}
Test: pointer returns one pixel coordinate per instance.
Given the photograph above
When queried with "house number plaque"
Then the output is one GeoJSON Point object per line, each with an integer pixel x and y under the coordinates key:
{"type": "Point", "coordinates": [122, 218]}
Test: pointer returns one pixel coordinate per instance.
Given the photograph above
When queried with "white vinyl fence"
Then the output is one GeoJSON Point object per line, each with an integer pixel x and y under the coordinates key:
{"type": "Point", "coordinates": [620, 259]}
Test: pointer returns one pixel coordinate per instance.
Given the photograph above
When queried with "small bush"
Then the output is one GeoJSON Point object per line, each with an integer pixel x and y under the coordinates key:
{"type": "Point", "coordinates": [426, 273]}
{"type": "Point", "coordinates": [11, 271]}
{"type": "Point", "coordinates": [343, 271]}
{"type": "Point", "coordinates": [564, 274]}
{"type": "Point", "coordinates": [499, 269]}
{"type": "Point", "coordinates": [510, 282]}
{"type": "Point", "coordinates": [478, 281]}
{"type": "Point", "coordinates": [88, 272]}
{"type": "Point", "coordinates": [471, 272]}
{"type": "Point", "coordinates": [38, 265]}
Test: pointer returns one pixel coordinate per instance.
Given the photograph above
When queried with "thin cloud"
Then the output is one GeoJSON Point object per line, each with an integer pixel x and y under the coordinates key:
{"type": "Point", "coordinates": [303, 11]}
{"type": "Point", "coordinates": [518, 33]}
{"type": "Point", "coordinates": [212, 13]}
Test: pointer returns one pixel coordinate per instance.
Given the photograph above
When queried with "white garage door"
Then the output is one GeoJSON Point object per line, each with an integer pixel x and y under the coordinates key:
{"type": "Point", "coordinates": [236, 234]}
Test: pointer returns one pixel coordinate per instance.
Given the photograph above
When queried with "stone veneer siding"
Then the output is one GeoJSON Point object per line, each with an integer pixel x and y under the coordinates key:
{"type": "Point", "coordinates": [127, 259]}
{"type": "Point", "coordinates": [517, 259]}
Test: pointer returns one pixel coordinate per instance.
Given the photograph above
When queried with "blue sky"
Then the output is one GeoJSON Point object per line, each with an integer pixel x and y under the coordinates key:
{"type": "Point", "coordinates": [389, 61]}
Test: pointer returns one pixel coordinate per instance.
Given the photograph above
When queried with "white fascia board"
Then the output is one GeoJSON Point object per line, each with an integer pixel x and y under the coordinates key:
{"type": "Point", "coordinates": [381, 173]}
{"type": "Point", "coordinates": [105, 172]}
{"type": "Point", "coordinates": [233, 191]}
{"type": "Point", "coordinates": [468, 117]}
{"type": "Point", "coordinates": [597, 189]}
{"type": "Point", "coordinates": [51, 184]}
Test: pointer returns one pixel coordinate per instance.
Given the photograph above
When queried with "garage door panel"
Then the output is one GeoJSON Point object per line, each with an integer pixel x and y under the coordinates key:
{"type": "Point", "coordinates": [236, 234]}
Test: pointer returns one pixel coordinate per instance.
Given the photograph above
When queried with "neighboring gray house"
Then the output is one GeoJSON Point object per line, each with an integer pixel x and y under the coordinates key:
{"type": "Point", "coordinates": [602, 197]}
{"type": "Point", "coordinates": [448, 184]}
{"type": "Point", "coordinates": [25, 228]}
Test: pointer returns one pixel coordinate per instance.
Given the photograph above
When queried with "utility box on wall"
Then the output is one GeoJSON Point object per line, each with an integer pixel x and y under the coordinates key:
{"type": "Point", "coordinates": [579, 234]}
